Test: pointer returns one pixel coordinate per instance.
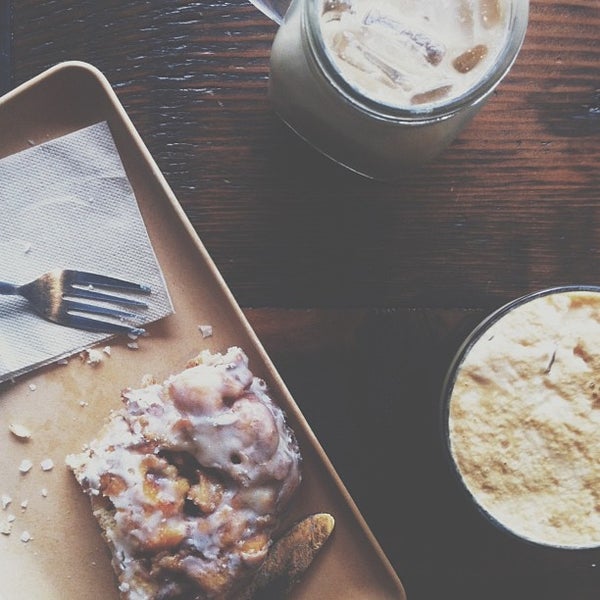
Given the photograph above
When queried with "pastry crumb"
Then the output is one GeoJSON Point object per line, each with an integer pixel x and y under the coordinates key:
{"type": "Point", "coordinates": [205, 330]}
{"type": "Point", "coordinates": [5, 527]}
{"type": "Point", "coordinates": [47, 464]}
{"type": "Point", "coordinates": [148, 380]}
{"type": "Point", "coordinates": [25, 466]}
{"type": "Point", "coordinates": [5, 500]}
{"type": "Point", "coordinates": [19, 431]}
{"type": "Point", "coordinates": [26, 537]}
{"type": "Point", "coordinates": [94, 356]}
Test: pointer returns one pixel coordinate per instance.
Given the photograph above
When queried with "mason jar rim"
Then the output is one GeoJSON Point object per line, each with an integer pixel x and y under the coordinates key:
{"type": "Point", "coordinates": [439, 111]}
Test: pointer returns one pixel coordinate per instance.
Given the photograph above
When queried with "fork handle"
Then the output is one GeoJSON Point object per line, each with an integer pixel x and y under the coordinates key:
{"type": "Point", "coordinates": [8, 289]}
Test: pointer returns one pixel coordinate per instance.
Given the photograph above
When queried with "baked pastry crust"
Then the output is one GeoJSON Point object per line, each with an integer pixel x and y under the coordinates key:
{"type": "Point", "coordinates": [189, 479]}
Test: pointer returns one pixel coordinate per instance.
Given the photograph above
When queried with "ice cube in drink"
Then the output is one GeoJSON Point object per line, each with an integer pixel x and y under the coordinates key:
{"type": "Point", "coordinates": [404, 53]}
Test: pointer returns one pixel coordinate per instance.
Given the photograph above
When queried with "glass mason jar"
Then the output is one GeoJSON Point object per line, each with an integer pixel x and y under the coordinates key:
{"type": "Point", "coordinates": [373, 138]}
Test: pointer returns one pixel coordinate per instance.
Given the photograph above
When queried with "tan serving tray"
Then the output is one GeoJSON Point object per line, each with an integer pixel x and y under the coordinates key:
{"type": "Point", "coordinates": [65, 405]}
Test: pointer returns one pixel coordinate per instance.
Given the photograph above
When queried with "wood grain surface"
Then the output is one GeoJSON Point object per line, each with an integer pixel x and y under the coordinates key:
{"type": "Point", "coordinates": [509, 208]}
{"type": "Point", "coordinates": [362, 291]}
{"type": "Point", "coordinates": [370, 382]}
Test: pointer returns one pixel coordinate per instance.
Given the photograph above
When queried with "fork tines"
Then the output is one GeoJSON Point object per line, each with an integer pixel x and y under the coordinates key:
{"type": "Point", "coordinates": [81, 284]}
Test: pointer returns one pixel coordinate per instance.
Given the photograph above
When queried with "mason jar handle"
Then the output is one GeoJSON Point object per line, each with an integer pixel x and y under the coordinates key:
{"type": "Point", "coordinates": [274, 9]}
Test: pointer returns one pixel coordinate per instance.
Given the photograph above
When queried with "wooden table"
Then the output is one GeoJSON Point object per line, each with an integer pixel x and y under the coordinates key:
{"type": "Point", "coordinates": [361, 291]}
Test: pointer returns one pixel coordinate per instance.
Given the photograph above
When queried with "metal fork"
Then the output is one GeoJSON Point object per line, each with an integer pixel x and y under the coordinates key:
{"type": "Point", "coordinates": [50, 295]}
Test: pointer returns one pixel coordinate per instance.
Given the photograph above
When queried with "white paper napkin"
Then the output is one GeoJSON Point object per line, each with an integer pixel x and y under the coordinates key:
{"type": "Point", "coordinates": [68, 203]}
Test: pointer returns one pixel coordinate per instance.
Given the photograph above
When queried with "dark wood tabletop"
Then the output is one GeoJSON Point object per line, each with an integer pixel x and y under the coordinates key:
{"type": "Point", "coordinates": [361, 291]}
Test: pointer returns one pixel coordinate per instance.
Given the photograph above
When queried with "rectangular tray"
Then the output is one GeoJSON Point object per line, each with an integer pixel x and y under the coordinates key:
{"type": "Point", "coordinates": [65, 405]}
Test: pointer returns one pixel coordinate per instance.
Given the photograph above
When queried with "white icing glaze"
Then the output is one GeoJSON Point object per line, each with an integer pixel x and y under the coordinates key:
{"type": "Point", "coordinates": [209, 438]}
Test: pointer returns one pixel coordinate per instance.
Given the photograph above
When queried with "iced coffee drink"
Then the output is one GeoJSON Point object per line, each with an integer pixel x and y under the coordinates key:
{"type": "Point", "coordinates": [379, 85]}
{"type": "Point", "coordinates": [410, 53]}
